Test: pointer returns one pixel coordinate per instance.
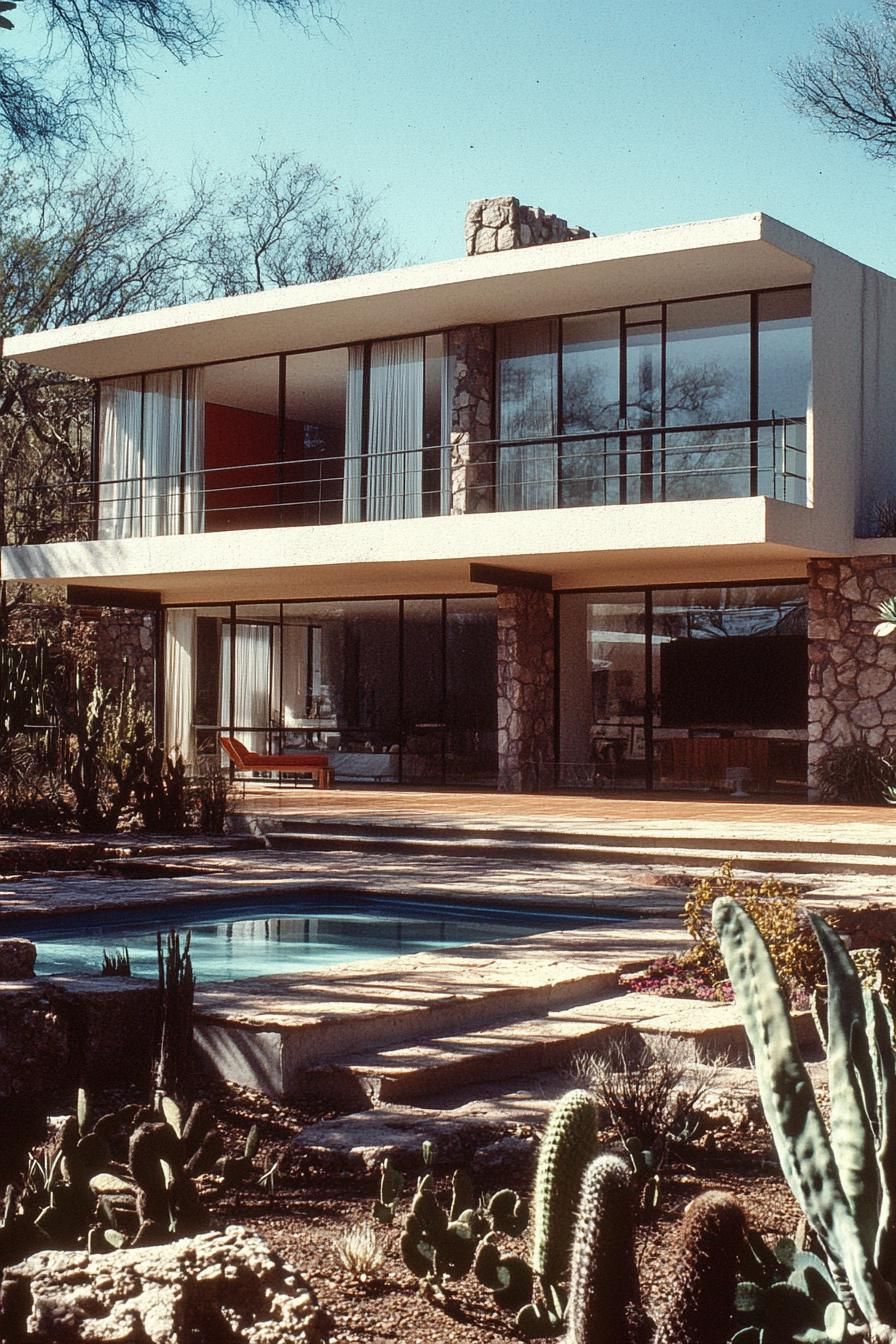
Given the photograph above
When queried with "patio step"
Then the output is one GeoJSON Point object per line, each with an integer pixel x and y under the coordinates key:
{"type": "Point", "coordinates": [760, 854]}
{"type": "Point", "coordinates": [415, 1070]}
{"type": "Point", "coordinates": [268, 1033]}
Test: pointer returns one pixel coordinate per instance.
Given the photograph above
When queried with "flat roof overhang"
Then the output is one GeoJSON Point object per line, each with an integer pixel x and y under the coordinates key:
{"type": "Point", "coordinates": [716, 256]}
{"type": "Point", "coordinates": [704, 540]}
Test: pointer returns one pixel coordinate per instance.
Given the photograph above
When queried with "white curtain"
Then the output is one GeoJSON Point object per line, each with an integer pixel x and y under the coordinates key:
{"type": "Point", "coordinates": [354, 434]}
{"type": "Point", "coordinates": [151, 453]}
{"type": "Point", "coordinates": [256, 681]}
{"type": "Point", "coordinates": [120, 413]}
{"type": "Point", "coordinates": [162, 419]}
{"type": "Point", "coordinates": [395, 437]}
{"type": "Point", "coordinates": [180, 682]}
{"type": "Point", "coordinates": [527, 371]}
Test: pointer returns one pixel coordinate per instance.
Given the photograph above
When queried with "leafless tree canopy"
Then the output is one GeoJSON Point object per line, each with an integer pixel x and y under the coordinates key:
{"type": "Point", "coordinates": [84, 241]}
{"type": "Point", "coordinates": [93, 48]}
{"type": "Point", "coordinates": [848, 87]}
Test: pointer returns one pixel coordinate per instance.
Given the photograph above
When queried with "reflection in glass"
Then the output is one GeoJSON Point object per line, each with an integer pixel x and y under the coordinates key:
{"type": "Point", "coordinates": [471, 693]}
{"type": "Point", "coordinates": [644, 402]}
{"type": "Point", "coordinates": [602, 690]}
{"type": "Point", "coordinates": [527, 408]}
{"type": "Point", "coordinates": [314, 437]}
{"type": "Point", "coordinates": [730, 671]}
{"type": "Point", "coordinates": [708, 382]}
{"type": "Point", "coordinates": [424, 691]}
{"type": "Point", "coordinates": [785, 389]}
{"type": "Point", "coordinates": [589, 472]}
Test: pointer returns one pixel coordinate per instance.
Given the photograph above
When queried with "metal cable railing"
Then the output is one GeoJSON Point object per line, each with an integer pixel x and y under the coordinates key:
{"type": "Point", "coordinates": [648, 464]}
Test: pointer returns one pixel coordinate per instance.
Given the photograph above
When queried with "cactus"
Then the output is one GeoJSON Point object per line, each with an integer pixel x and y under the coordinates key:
{"type": "Point", "coordinates": [604, 1293]}
{"type": "Point", "coordinates": [508, 1276]}
{"type": "Point", "coordinates": [391, 1186]}
{"type": "Point", "coordinates": [844, 1182]}
{"type": "Point", "coordinates": [437, 1245]}
{"type": "Point", "coordinates": [700, 1302]}
{"type": "Point", "coordinates": [568, 1145]}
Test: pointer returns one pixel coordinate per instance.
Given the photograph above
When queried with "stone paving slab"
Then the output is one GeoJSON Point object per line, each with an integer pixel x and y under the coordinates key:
{"type": "Point", "coordinates": [656, 890]}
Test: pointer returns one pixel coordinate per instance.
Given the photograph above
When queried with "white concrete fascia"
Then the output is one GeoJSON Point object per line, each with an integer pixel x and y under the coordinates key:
{"type": "Point", "coordinates": [384, 556]}
{"type": "Point", "coordinates": [743, 251]}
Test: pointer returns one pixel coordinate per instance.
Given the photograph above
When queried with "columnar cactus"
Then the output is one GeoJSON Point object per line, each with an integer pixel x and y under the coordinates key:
{"type": "Point", "coordinates": [604, 1295]}
{"type": "Point", "coordinates": [568, 1145]}
{"type": "Point", "coordinates": [844, 1181]}
{"type": "Point", "coordinates": [700, 1302]}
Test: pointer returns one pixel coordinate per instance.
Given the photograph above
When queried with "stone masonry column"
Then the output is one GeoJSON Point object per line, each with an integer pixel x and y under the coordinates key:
{"type": "Point", "coordinates": [852, 674]}
{"type": "Point", "coordinates": [472, 455]}
{"type": "Point", "coordinates": [525, 690]}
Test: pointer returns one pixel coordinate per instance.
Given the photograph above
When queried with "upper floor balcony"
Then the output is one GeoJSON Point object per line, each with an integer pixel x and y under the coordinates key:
{"type": "Point", "coordinates": [684, 400]}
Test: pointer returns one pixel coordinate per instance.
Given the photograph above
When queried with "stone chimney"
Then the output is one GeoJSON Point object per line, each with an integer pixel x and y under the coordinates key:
{"type": "Point", "coordinates": [502, 224]}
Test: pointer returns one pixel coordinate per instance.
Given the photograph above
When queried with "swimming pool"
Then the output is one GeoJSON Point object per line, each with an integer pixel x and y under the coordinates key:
{"type": "Point", "coordinates": [232, 940]}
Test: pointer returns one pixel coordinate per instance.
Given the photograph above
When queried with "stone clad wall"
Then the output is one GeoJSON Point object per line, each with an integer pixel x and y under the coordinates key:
{"type": "Point", "coordinates": [472, 455]}
{"type": "Point", "coordinates": [852, 674]}
{"type": "Point", "coordinates": [501, 224]}
{"type": "Point", "coordinates": [113, 640]}
{"type": "Point", "coordinates": [525, 690]}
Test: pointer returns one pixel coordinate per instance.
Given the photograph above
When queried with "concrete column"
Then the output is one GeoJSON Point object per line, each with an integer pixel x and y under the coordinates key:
{"type": "Point", "coordinates": [852, 674]}
{"type": "Point", "coordinates": [471, 353]}
{"type": "Point", "coordinates": [525, 690]}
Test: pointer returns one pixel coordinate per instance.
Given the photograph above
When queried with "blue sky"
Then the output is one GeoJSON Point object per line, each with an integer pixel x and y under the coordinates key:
{"type": "Point", "coordinates": [615, 115]}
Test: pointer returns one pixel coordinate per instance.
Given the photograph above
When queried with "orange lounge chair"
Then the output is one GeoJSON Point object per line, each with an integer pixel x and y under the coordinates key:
{"type": "Point", "coordinates": [317, 766]}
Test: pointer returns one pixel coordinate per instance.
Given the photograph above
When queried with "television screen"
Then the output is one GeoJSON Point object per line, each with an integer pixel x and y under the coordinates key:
{"type": "Point", "coordinates": [756, 681]}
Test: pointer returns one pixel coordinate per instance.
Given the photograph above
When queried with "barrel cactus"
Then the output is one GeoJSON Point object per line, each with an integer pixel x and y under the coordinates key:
{"type": "Point", "coordinates": [699, 1305]}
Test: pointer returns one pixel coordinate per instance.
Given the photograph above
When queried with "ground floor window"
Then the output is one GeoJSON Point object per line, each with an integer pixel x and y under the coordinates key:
{"type": "Point", "coordinates": [394, 690]}
{"type": "Point", "coordinates": [684, 688]}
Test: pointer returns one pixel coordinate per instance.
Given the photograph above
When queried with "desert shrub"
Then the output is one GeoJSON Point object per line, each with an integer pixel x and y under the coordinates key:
{"type": "Point", "coordinates": [855, 772]}
{"type": "Point", "coordinates": [31, 792]}
{"type": "Point", "coordinates": [359, 1252]}
{"type": "Point", "coordinates": [212, 791]}
{"type": "Point", "coordinates": [650, 1090]}
{"type": "Point", "coordinates": [774, 908]}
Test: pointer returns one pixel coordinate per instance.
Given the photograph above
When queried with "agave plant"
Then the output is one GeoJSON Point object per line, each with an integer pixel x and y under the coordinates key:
{"type": "Point", "coordinates": [887, 613]}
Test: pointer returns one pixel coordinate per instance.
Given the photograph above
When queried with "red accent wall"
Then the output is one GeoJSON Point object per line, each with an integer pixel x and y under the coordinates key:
{"type": "Point", "coordinates": [244, 440]}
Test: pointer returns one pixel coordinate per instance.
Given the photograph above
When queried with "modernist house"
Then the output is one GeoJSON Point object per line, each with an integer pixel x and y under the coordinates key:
{"type": "Point", "coordinates": [567, 511]}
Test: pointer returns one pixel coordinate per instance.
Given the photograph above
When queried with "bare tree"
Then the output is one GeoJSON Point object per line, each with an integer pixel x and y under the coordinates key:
{"type": "Point", "coordinates": [91, 49]}
{"type": "Point", "coordinates": [287, 222]}
{"type": "Point", "coordinates": [848, 87]}
{"type": "Point", "coordinates": [109, 241]}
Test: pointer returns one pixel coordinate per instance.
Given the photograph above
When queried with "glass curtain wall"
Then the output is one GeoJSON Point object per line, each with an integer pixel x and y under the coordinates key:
{"type": "Point", "coordinates": [590, 469]}
{"type": "Point", "coordinates": [658, 372]}
{"type": "Point", "coordinates": [527, 400]}
{"type": "Point", "coordinates": [785, 387]}
{"type": "Point", "coordinates": [707, 383]}
{"type": "Point", "coordinates": [692, 688]}
{"type": "Point", "coordinates": [391, 690]}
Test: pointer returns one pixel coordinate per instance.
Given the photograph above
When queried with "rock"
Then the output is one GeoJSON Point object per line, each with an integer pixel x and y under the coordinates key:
{"type": "Point", "coordinates": [17, 957]}
{"type": "Point", "coordinates": [221, 1286]}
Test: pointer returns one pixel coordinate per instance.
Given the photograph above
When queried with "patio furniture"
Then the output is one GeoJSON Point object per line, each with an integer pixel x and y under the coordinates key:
{"type": "Point", "coordinates": [317, 766]}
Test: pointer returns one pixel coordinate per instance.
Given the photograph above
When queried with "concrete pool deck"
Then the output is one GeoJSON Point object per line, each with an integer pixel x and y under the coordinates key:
{"type": "Point", "coordinates": [408, 1027]}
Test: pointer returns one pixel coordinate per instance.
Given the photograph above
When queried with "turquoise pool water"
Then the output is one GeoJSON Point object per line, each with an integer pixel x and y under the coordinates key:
{"type": "Point", "coordinates": [271, 935]}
